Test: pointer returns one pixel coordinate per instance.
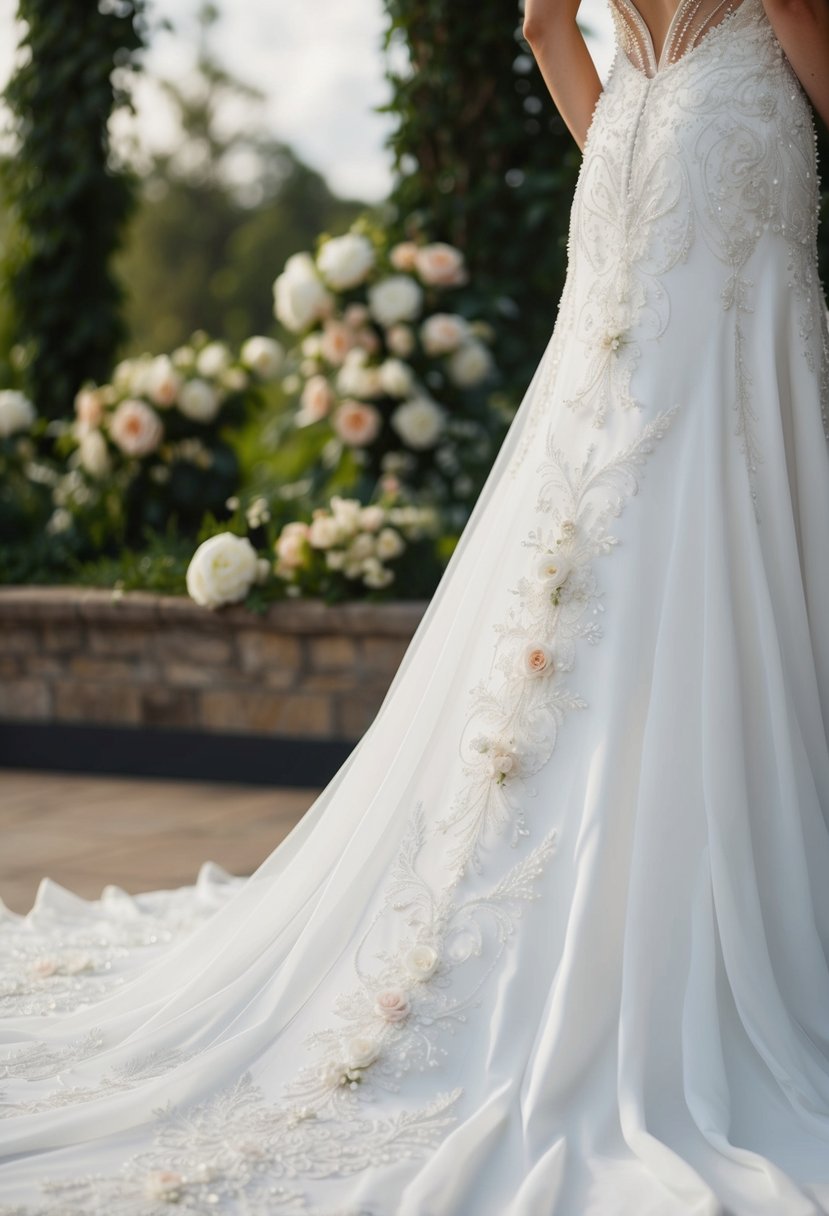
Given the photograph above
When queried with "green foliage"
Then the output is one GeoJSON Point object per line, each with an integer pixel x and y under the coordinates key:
{"type": "Point", "coordinates": [69, 201]}
{"type": "Point", "coordinates": [483, 161]}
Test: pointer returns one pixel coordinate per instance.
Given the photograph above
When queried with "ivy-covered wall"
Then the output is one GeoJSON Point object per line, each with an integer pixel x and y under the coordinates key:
{"type": "Point", "coordinates": [68, 201]}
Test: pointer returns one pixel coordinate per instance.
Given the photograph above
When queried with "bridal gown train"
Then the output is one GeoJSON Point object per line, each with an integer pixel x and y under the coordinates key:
{"type": "Point", "coordinates": [554, 940]}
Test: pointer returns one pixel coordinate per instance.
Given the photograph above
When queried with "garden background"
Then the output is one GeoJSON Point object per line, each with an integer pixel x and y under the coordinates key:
{"type": "Point", "coordinates": [271, 291]}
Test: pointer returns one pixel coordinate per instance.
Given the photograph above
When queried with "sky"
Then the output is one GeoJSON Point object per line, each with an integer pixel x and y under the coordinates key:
{"type": "Point", "coordinates": [317, 61]}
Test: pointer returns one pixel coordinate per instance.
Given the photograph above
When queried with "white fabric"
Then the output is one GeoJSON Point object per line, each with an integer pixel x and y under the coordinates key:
{"type": "Point", "coordinates": [553, 941]}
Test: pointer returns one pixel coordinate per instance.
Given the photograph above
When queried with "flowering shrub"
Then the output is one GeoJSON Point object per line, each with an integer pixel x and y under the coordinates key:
{"type": "Point", "coordinates": [395, 378]}
{"type": "Point", "coordinates": [23, 494]}
{"type": "Point", "coordinates": [342, 551]}
{"type": "Point", "coordinates": [150, 449]}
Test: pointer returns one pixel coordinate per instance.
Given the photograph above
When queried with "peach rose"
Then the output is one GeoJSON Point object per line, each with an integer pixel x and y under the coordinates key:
{"type": "Point", "coordinates": [440, 265]}
{"type": "Point", "coordinates": [136, 428]}
{"type": "Point", "coordinates": [356, 423]}
{"type": "Point", "coordinates": [403, 255]}
{"type": "Point", "coordinates": [316, 399]}
{"type": "Point", "coordinates": [89, 408]}
{"type": "Point", "coordinates": [337, 340]}
{"type": "Point", "coordinates": [393, 1005]}
{"type": "Point", "coordinates": [537, 659]}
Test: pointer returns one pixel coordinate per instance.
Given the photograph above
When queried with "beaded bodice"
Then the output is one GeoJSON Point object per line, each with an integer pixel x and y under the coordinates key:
{"type": "Point", "coordinates": [691, 20]}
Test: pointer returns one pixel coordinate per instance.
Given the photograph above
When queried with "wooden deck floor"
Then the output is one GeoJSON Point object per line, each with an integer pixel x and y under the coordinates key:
{"type": "Point", "coordinates": [85, 832]}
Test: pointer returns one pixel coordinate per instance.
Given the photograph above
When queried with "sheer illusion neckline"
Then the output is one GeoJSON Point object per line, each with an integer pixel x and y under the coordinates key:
{"type": "Point", "coordinates": [690, 22]}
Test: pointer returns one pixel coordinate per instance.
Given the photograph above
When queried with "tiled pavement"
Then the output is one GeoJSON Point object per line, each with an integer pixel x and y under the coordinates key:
{"type": "Point", "coordinates": [85, 832]}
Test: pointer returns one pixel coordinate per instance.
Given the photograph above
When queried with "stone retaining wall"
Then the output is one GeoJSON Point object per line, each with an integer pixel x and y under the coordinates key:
{"type": "Point", "coordinates": [305, 669]}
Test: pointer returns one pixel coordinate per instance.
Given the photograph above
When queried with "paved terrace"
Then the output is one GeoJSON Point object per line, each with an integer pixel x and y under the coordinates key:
{"type": "Point", "coordinates": [85, 832]}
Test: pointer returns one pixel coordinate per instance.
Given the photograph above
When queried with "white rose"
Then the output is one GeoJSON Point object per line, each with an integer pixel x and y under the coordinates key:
{"type": "Point", "coordinates": [263, 356]}
{"type": "Point", "coordinates": [356, 423]}
{"type": "Point", "coordinates": [234, 379]}
{"type": "Point", "coordinates": [136, 428]}
{"type": "Point", "coordinates": [199, 401]}
{"type": "Point", "coordinates": [162, 382]}
{"type": "Point", "coordinates": [393, 1005]}
{"type": "Point", "coordinates": [332, 1073]}
{"type": "Point", "coordinates": [421, 962]}
{"type": "Point", "coordinates": [356, 380]}
{"type": "Point", "coordinates": [183, 357]}
{"type": "Point", "coordinates": [93, 454]}
{"type": "Point", "coordinates": [361, 1052]}
{"type": "Point", "coordinates": [553, 569]}
{"type": "Point", "coordinates": [443, 332]}
{"type": "Point", "coordinates": [213, 359]}
{"type": "Point", "coordinates": [316, 399]}
{"type": "Point", "coordinates": [300, 296]}
{"type": "Point", "coordinates": [400, 340]}
{"type": "Point", "coordinates": [59, 521]}
{"type": "Point", "coordinates": [89, 407]}
{"type": "Point", "coordinates": [396, 378]}
{"type": "Point", "coordinates": [16, 412]}
{"type": "Point", "coordinates": [537, 659]}
{"type": "Point", "coordinates": [324, 532]}
{"type": "Point", "coordinates": [470, 364]}
{"type": "Point", "coordinates": [222, 570]}
{"type": "Point", "coordinates": [418, 422]}
{"type": "Point", "coordinates": [396, 298]}
{"type": "Point", "coordinates": [389, 544]}
{"type": "Point", "coordinates": [347, 511]}
{"type": "Point", "coordinates": [375, 574]}
{"type": "Point", "coordinates": [439, 264]}
{"type": "Point", "coordinates": [371, 517]}
{"type": "Point", "coordinates": [362, 546]}
{"type": "Point", "coordinates": [344, 261]}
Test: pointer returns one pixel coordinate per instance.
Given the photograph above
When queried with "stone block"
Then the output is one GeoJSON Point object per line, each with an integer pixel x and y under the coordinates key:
{"type": "Point", "coordinates": [163, 706]}
{"type": "Point", "coordinates": [107, 670]}
{"type": "Point", "coordinates": [19, 641]}
{"type": "Point", "coordinates": [383, 655]}
{"type": "Point", "coordinates": [130, 641]}
{"type": "Point", "coordinates": [353, 715]}
{"type": "Point", "coordinates": [332, 653]}
{"type": "Point", "coordinates": [193, 646]}
{"type": "Point", "coordinates": [259, 650]}
{"type": "Point", "coordinates": [268, 713]}
{"type": "Point", "coordinates": [109, 704]}
{"type": "Point", "coordinates": [25, 700]}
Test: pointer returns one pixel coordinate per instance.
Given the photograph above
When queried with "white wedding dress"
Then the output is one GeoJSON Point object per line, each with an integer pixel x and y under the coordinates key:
{"type": "Point", "coordinates": [554, 941]}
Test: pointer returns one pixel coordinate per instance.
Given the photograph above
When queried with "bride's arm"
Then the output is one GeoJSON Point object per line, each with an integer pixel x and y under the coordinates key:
{"type": "Point", "coordinates": [564, 61]}
{"type": "Point", "coordinates": [802, 29]}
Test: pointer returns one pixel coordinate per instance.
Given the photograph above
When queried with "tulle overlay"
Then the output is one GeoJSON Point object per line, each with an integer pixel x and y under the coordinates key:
{"type": "Point", "coordinates": [554, 940]}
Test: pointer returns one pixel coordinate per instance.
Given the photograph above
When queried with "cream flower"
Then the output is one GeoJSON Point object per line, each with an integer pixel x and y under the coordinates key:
{"type": "Point", "coordinates": [263, 356]}
{"type": "Point", "coordinates": [324, 532]}
{"type": "Point", "coordinates": [356, 314]}
{"type": "Point", "coordinates": [199, 401]}
{"type": "Point", "coordinates": [470, 364]}
{"type": "Point", "coordinates": [393, 1005]}
{"type": "Point", "coordinates": [396, 377]}
{"type": "Point", "coordinates": [419, 422]}
{"type": "Point", "coordinates": [553, 570]}
{"type": "Point", "coordinates": [421, 962]}
{"type": "Point", "coordinates": [136, 428]}
{"type": "Point", "coordinates": [16, 412]}
{"type": "Point", "coordinates": [93, 454]}
{"type": "Point", "coordinates": [443, 332]}
{"type": "Point", "coordinates": [372, 517]}
{"type": "Point", "coordinates": [316, 399]}
{"type": "Point", "coordinates": [356, 423]}
{"type": "Point", "coordinates": [375, 574]}
{"type": "Point", "coordinates": [361, 1052]}
{"type": "Point", "coordinates": [344, 261]}
{"type": "Point", "coordinates": [213, 359]}
{"type": "Point", "coordinates": [89, 407]}
{"type": "Point", "coordinates": [400, 340]}
{"type": "Point", "coordinates": [300, 296]}
{"type": "Point", "coordinates": [222, 570]}
{"type": "Point", "coordinates": [164, 1185]}
{"type": "Point", "coordinates": [394, 299]}
{"type": "Point", "coordinates": [163, 382]}
{"type": "Point", "coordinates": [403, 255]}
{"type": "Point", "coordinates": [389, 544]}
{"type": "Point", "coordinates": [537, 659]}
{"type": "Point", "coordinates": [440, 265]}
{"type": "Point", "coordinates": [337, 340]}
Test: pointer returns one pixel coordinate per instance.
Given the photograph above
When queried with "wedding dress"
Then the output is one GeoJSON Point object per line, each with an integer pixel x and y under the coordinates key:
{"type": "Point", "coordinates": [554, 941]}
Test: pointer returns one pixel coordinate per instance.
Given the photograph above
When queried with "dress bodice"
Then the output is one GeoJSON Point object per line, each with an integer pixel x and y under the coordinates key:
{"type": "Point", "coordinates": [698, 183]}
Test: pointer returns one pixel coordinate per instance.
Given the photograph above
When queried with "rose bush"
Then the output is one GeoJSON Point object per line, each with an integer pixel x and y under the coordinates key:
{"type": "Point", "coordinates": [388, 378]}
